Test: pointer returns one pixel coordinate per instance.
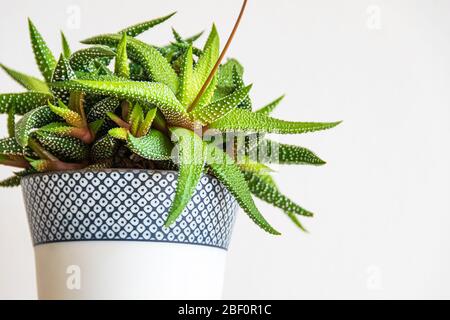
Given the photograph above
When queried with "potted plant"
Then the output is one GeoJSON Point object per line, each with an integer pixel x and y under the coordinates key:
{"type": "Point", "coordinates": [134, 159]}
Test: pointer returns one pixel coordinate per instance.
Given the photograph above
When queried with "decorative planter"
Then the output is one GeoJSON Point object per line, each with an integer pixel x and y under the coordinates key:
{"type": "Point", "coordinates": [101, 235]}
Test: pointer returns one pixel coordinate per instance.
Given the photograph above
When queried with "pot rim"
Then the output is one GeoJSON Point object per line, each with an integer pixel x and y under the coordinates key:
{"type": "Point", "coordinates": [106, 170]}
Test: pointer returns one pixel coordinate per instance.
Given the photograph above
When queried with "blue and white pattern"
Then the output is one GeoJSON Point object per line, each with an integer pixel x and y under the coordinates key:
{"type": "Point", "coordinates": [125, 205]}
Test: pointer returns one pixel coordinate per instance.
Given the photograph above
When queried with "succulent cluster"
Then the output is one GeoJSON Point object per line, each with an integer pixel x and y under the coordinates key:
{"type": "Point", "coordinates": [123, 103]}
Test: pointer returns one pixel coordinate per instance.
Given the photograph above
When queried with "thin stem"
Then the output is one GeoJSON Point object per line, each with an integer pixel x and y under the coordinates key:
{"type": "Point", "coordinates": [219, 61]}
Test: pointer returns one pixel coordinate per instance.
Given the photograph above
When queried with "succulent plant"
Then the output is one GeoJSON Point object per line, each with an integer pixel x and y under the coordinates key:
{"type": "Point", "coordinates": [123, 103]}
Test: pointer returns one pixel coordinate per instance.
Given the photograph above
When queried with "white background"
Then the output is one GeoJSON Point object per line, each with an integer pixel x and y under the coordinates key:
{"type": "Point", "coordinates": [382, 202]}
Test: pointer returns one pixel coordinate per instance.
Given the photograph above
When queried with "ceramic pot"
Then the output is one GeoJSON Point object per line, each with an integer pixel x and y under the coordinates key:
{"type": "Point", "coordinates": [101, 235]}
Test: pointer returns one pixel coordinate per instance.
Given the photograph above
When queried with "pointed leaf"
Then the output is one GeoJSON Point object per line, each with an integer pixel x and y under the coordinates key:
{"type": "Point", "coordinates": [82, 60]}
{"type": "Point", "coordinates": [11, 121]}
{"type": "Point", "coordinates": [229, 174]}
{"type": "Point", "coordinates": [122, 68]}
{"type": "Point", "coordinates": [28, 82]}
{"type": "Point", "coordinates": [10, 182]}
{"type": "Point", "coordinates": [65, 45]}
{"type": "Point", "coordinates": [147, 122]}
{"type": "Point", "coordinates": [96, 125]}
{"type": "Point", "coordinates": [145, 92]}
{"type": "Point", "coordinates": [220, 108]}
{"type": "Point", "coordinates": [63, 72]}
{"type": "Point", "coordinates": [44, 57]}
{"type": "Point", "coordinates": [226, 85]}
{"type": "Point", "coordinates": [177, 36]}
{"type": "Point", "coordinates": [104, 148]}
{"type": "Point", "coordinates": [119, 133]}
{"type": "Point", "coordinates": [34, 119]}
{"type": "Point", "coordinates": [154, 146]}
{"type": "Point", "coordinates": [274, 152]}
{"type": "Point", "coordinates": [209, 93]}
{"type": "Point", "coordinates": [296, 221]}
{"type": "Point", "coordinates": [10, 147]}
{"type": "Point", "coordinates": [100, 109]}
{"type": "Point", "coordinates": [186, 93]}
{"type": "Point", "coordinates": [60, 128]}
{"type": "Point", "coordinates": [137, 29]}
{"type": "Point", "coordinates": [71, 117]}
{"type": "Point", "coordinates": [64, 148]}
{"type": "Point", "coordinates": [136, 117]}
{"type": "Point", "coordinates": [268, 109]}
{"type": "Point", "coordinates": [155, 65]}
{"type": "Point", "coordinates": [194, 38]}
{"type": "Point", "coordinates": [243, 120]}
{"type": "Point", "coordinates": [191, 160]}
{"type": "Point", "coordinates": [208, 59]}
{"type": "Point", "coordinates": [272, 195]}
{"type": "Point", "coordinates": [23, 102]}
{"type": "Point", "coordinates": [238, 82]}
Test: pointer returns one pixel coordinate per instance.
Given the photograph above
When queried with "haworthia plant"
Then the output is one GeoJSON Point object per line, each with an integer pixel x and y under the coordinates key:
{"type": "Point", "coordinates": [124, 103]}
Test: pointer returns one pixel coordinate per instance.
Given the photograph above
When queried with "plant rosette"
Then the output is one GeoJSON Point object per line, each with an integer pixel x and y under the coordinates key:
{"type": "Point", "coordinates": [134, 159]}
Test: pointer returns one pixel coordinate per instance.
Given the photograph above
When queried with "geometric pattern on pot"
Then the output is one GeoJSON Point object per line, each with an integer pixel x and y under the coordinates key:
{"type": "Point", "coordinates": [126, 205]}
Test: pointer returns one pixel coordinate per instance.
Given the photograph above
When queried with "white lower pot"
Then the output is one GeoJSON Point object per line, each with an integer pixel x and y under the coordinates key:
{"type": "Point", "coordinates": [100, 235]}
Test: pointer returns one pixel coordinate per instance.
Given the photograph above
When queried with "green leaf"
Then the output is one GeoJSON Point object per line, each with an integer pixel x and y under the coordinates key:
{"type": "Point", "coordinates": [268, 109]}
{"type": "Point", "coordinates": [139, 28]}
{"type": "Point", "coordinates": [122, 68]}
{"type": "Point", "coordinates": [65, 46]}
{"type": "Point", "coordinates": [10, 182]}
{"type": "Point", "coordinates": [137, 72]}
{"type": "Point", "coordinates": [34, 119]}
{"type": "Point", "coordinates": [63, 72]}
{"type": "Point", "coordinates": [23, 102]}
{"type": "Point", "coordinates": [207, 60]}
{"type": "Point", "coordinates": [71, 117]}
{"type": "Point", "coordinates": [82, 60]}
{"type": "Point", "coordinates": [10, 147]}
{"type": "Point", "coordinates": [64, 148]}
{"type": "Point", "coordinates": [248, 164]}
{"type": "Point", "coordinates": [60, 128]}
{"type": "Point", "coordinates": [154, 146]}
{"type": "Point", "coordinates": [186, 93]}
{"type": "Point", "coordinates": [11, 121]}
{"type": "Point", "coordinates": [177, 36]}
{"type": "Point", "coordinates": [144, 128]}
{"type": "Point", "coordinates": [194, 38]}
{"type": "Point", "coordinates": [191, 160]}
{"type": "Point", "coordinates": [296, 221]}
{"type": "Point", "coordinates": [96, 125]}
{"type": "Point", "coordinates": [136, 117]}
{"type": "Point", "coordinates": [28, 82]}
{"type": "Point", "coordinates": [224, 168]}
{"type": "Point", "coordinates": [246, 103]}
{"type": "Point", "coordinates": [104, 148]}
{"type": "Point", "coordinates": [100, 109]}
{"type": "Point", "coordinates": [274, 152]}
{"type": "Point", "coordinates": [267, 178]}
{"type": "Point", "coordinates": [155, 65]}
{"type": "Point", "coordinates": [243, 120]}
{"type": "Point", "coordinates": [209, 93]}
{"type": "Point", "coordinates": [44, 57]}
{"type": "Point", "coordinates": [226, 84]}
{"type": "Point", "coordinates": [145, 92]}
{"type": "Point", "coordinates": [119, 133]}
{"type": "Point", "coordinates": [219, 108]}
{"type": "Point", "coordinates": [270, 193]}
